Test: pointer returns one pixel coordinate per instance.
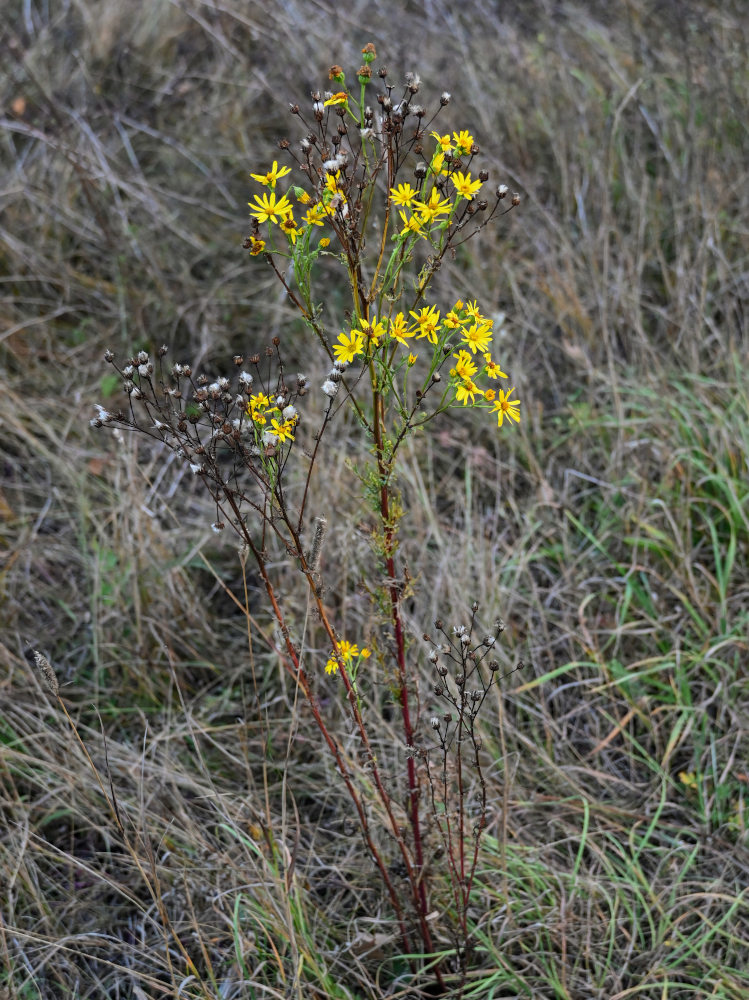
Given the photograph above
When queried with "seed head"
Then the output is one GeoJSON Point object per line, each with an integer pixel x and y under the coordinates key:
{"type": "Point", "coordinates": [49, 675]}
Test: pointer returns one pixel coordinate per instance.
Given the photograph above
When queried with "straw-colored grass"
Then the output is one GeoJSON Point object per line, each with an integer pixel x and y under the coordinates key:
{"type": "Point", "coordinates": [186, 834]}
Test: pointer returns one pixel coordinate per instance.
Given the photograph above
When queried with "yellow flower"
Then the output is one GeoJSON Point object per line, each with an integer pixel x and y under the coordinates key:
{"type": "Point", "coordinates": [427, 321]}
{"type": "Point", "coordinates": [269, 179]}
{"type": "Point", "coordinates": [256, 408]}
{"type": "Point", "coordinates": [267, 207]}
{"type": "Point", "coordinates": [437, 166]}
{"type": "Point", "coordinates": [466, 390]}
{"type": "Point", "coordinates": [289, 227]}
{"type": "Point", "coordinates": [411, 360]}
{"type": "Point", "coordinates": [506, 406]}
{"type": "Point", "coordinates": [315, 216]}
{"type": "Point", "coordinates": [492, 368]}
{"type": "Point", "coordinates": [465, 366]}
{"type": "Point", "coordinates": [348, 347]}
{"type": "Point", "coordinates": [372, 329]}
{"type": "Point", "coordinates": [473, 310]}
{"type": "Point", "coordinates": [433, 207]}
{"type": "Point", "coordinates": [411, 225]}
{"type": "Point", "coordinates": [348, 652]}
{"type": "Point", "coordinates": [403, 194]}
{"type": "Point", "coordinates": [399, 330]}
{"type": "Point", "coordinates": [324, 242]}
{"type": "Point", "coordinates": [464, 185]}
{"type": "Point", "coordinates": [331, 183]}
{"type": "Point", "coordinates": [256, 246]}
{"type": "Point", "coordinates": [688, 778]}
{"type": "Point", "coordinates": [258, 400]}
{"type": "Point", "coordinates": [452, 320]}
{"type": "Point", "coordinates": [478, 336]}
{"type": "Point", "coordinates": [283, 431]}
{"type": "Point", "coordinates": [443, 141]}
{"type": "Point", "coordinates": [339, 98]}
{"type": "Point", "coordinates": [463, 142]}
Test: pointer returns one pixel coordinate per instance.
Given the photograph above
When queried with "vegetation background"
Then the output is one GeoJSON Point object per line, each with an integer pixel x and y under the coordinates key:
{"type": "Point", "coordinates": [610, 530]}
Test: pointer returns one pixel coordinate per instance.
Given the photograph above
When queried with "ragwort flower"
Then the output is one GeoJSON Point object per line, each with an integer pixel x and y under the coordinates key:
{"type": "Point", "coordinates": [269, 179]}
{"type": "Point", "coordinates": [504, 406]}
{"type": "Point", "coordinates": [348, 347]}
{"type": "Point", "coordinates": [403, 194]}
{"type": "Point", "coordinates": [349, 651]}
{"type": "Point", "coordinates": [464, 185]}
{"type": "Point", "coordinates": [268, 208]}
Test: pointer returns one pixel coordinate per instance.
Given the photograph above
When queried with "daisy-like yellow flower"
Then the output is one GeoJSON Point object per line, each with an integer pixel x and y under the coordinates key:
{"type": "Point", "coordinates": [340, 98]}
{"type": "Point", "coordinates": [289, 227]}
{"type": "Point", "coordinates": [464, 185]}
{"type": "Point", "coordinates": [437, 166]}
{"type": "Point", "coordinates": [452, 319]}
{"type": "Point", "coordinates": [473, 310]}
{"type": "Point", "coordinates": [256, 246]}
{"type": "Point", "coordinates": [443, 141]}
{"type": "Point", "coordinates": [259, 400]}
{"type": "Point", "coordinates": [348, 346]}
{"type": "Point", "coordinates": [466, 390]}
{"type": "Point", "coordinates": [426, 322]}
{"type": "Point", "coordinates": [492, 368]}
{"type": "Point", "coordinates": [463, 142]}
{"type": "Point", "coordinates": [269, 179]}
{"type": "Point", "coordinates": [282, 431]}
{"type": "Point", "coordinates": [478, 336]}
{"type": "Point", "coordinates": [433, 207]}
{"type": "Point", "coordinates": [315, 216]}
{"type": "Point", "coordinates": [324, 242]}
{"type": "Point", "coordinates": [465, 367]}
{"type": "Point", "coordinates": [331, 183]}
{"type": "Point", "coordinates": [504, 406]}
{"type": "Point", "coordinates": [410, 225]}
{"type": "Point", "coordinates": [348, 651]}
{"type": "Point", "coordinates": [403, 194]}
{"type": "Point", "coordinates": [399, 329]}
{"type": "Point", "coordinates": [411, 360]}
{"type": "Point", "coordinates": [268, 208]}
{"type": "Point", "coordinates": [373, 330]}
{"type": "Point", "coordinates": [256, 408]}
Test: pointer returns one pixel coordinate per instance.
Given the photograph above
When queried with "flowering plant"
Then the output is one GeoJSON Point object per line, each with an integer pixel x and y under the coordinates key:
{"type": "Point", "coordinates": [388, 198]}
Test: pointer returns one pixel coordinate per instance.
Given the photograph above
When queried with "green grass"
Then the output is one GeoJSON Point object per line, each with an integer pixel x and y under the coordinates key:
{"type": "Point", "coordinates": [610, 530]}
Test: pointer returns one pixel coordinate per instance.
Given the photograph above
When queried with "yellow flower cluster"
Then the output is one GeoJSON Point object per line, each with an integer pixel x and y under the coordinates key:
{"type": "Point", "coordinates": [428, 208]}
{"type": "Point", "coordinates": [269, 207]}
{"type": "Point", "coordinates": [422, 211]}
{"type": "Point", "coordinates": [268, 418]}
{"type": "Point", "coordinates": [349, 652]}
{"type": "Point", "coordinates": [473, 358]}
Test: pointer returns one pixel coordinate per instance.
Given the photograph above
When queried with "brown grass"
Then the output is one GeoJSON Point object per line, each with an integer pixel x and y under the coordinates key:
{"type": "Point", "coordinates": [209, 845]}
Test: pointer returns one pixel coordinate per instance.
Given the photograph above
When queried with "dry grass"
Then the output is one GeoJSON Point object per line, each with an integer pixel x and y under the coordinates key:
{"type": "Point", "coordinates": [611, 531]}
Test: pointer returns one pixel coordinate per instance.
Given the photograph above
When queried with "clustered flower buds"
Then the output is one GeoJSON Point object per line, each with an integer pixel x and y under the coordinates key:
{"type": "Point", "coordinates": [465, 659]}
{"type": "Point", "coordinates": [205, 422]}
